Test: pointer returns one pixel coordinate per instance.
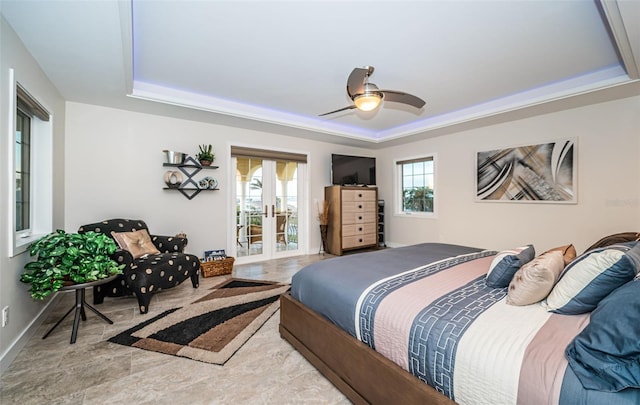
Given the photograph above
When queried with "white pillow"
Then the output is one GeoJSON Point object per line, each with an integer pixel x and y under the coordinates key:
{"type": "Point", "coordinates": [533, 282]}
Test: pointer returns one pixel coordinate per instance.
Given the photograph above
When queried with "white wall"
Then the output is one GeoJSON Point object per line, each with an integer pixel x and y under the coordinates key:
{"type": "Point", "coordinates": [114, 158]}
{"type": "Point", "coordinates": [23, 310]}
{"type": "Point", "coordinates": [114, 170]}
{"type": "Point", "coordinates": [608, 183]}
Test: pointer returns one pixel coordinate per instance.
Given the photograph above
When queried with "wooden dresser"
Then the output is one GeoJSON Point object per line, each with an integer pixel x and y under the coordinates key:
{"type": "Point", "coordinates": [353, 218]}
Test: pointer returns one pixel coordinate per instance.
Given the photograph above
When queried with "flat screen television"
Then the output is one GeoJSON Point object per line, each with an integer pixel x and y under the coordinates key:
{"type": "Point", "coordinates": [353, 170]}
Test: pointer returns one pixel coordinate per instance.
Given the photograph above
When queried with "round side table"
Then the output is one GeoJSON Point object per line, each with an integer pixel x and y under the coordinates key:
{"type": "Point", "coordinates": [79, 306]}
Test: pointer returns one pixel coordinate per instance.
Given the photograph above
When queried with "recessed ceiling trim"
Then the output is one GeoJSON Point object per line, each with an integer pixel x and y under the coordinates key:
{"type": "Point", "coordinates": [161, 94]}
{"type": "Point", "coordinates": [584, 84]}
{"type": "Point", "coordinates": [621, 37]}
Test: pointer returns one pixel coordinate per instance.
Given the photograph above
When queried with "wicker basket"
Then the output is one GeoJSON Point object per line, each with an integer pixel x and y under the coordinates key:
{"type": "Point", "coordinates": [216, 267]}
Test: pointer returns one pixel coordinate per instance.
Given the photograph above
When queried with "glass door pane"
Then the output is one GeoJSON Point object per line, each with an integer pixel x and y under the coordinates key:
{"type": "Point", "coordinates": [249, 207]}
{"type": "Point", "coordinates": [286, 209]}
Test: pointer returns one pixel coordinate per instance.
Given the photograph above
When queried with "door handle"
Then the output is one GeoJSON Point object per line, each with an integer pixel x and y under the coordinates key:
{"type": "Point", "coordinates": [273, 211]}
{"type": "Point", "coordinates": [266, 209]}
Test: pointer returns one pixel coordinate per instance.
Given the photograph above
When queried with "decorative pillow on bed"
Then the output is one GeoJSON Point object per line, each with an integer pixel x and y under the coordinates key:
{"type": "Point", "coordinates": [138, 243]}
{"type": "Point", "coordinates": [615, 239]}
{"type": "Point", "coordinates": [592, 276]}
{"type": "Point", "coordinates": [506, 263]}
{"type": "Point", "coordinates": [533, 282]}
{"type": "Point", "coordinates": [604, 356]}
{"type": "Point", "coordinates": [568, 253]}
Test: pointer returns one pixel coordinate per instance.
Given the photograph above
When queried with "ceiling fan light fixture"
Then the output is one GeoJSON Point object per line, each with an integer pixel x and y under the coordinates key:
{"type": "Point", "coordinates": [367, 101]}
{"type": "Point", "coordinates": [367, 96]}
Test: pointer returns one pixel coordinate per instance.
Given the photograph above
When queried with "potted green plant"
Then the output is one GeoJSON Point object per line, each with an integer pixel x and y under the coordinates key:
{"type": "Point", "coordinates": [64, 258]}
{"type": "Point", "coordinates": [206, 155]}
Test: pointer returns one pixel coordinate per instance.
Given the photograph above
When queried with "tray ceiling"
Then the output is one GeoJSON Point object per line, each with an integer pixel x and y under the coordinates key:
{"type": "Point", "coordinates": [280, 64]}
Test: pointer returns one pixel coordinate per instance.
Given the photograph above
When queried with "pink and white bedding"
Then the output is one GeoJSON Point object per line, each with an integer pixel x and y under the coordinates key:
{"type": "Point", "coordinates": [442, 323]}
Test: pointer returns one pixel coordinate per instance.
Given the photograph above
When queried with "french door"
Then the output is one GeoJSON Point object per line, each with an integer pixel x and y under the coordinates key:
{"type": "Point", "coordinates": [267, 207]}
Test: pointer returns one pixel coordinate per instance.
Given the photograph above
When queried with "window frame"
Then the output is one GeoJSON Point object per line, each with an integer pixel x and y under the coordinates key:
{"type": "Point", "coordinates": [398, 186]}
{"type": "Point", "coordinates": [41, 169]}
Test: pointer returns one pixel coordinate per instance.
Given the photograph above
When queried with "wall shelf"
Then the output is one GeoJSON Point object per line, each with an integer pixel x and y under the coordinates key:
{"type": "Point", "coordinates": [189, 188]}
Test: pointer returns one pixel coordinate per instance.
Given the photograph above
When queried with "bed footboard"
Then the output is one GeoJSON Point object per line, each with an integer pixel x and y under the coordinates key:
{"type": "Point", "coordinates": [360, 373]}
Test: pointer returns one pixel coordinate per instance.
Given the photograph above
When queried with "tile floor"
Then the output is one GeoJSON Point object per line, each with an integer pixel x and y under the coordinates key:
{"type": "Point", "coordinates": [266, 370]}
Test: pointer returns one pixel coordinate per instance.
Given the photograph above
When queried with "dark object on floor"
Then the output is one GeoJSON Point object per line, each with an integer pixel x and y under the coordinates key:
{"type": "Point", "coordinates": [149, 267]}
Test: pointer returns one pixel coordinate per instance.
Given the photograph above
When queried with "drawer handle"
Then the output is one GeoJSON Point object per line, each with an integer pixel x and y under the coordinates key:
{"type": "Point", "coordinates": [360, 206]}
{"type": "Point", "coordinates": [360, 195]}
{"type": "Point", "coordinates": [360, 229]}
{"type": "Point", "coordinates": [359, 217]}
{"type": "Point", "coordinates": [360, 240]}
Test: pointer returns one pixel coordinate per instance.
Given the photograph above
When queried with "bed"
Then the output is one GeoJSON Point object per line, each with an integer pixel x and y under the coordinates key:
{"type": "Point", "coordinates": [420, 324]}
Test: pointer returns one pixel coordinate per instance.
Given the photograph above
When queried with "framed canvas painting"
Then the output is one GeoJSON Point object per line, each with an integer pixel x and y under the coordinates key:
{"type": "Point", "coordinates": [544, 173]}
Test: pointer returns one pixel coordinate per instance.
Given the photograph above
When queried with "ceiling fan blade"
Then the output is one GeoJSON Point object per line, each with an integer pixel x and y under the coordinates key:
{"type": "Point", "coordinates": [401, 97]}
{"type": "Point", "coordinates": [351, 107]}
{"type": "Point", "coordinates": [355, 83]}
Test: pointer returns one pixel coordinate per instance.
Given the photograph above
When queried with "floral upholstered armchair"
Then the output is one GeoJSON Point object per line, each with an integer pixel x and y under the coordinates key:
{"type": "Point", "coordinates": [152, 262]}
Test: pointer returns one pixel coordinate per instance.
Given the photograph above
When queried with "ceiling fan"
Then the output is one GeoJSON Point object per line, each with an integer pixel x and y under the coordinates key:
{"type": "Point", "coordinates": [367, 97]}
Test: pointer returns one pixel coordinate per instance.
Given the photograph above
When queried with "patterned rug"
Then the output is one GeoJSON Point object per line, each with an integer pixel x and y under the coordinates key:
{"type": "Point", "coordinates": [212, 328]}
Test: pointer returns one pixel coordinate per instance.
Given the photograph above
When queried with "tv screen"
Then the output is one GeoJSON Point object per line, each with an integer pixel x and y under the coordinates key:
{"type": "Point", "coordinates": [353, 170]}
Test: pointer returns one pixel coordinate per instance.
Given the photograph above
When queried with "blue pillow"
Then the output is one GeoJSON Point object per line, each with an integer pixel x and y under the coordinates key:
{"type": "Point", "coordinates": [592, 276]}
{"type": "Point", "coordinates": [605, 356]}
{"type": "Point", "coordinates": [506, 263]}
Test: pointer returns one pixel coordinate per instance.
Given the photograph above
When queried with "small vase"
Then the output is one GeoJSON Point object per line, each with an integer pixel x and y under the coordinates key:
{"type": "Point", "coordinates": [323, 237]}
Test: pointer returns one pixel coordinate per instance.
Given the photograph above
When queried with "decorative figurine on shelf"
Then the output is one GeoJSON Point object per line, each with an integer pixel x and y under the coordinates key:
{"type": "Point", "coordinates": [205, 156]}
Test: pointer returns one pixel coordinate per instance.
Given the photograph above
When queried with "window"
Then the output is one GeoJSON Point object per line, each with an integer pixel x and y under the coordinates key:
{"type": "Point", "coordinates": [30, 198]}
{"type": "Point", "coordinates": [416, 186]}
{"type": "Point", "coordinates": [23, 172]}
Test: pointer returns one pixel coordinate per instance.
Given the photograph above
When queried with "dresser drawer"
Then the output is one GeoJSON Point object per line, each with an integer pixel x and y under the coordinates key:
{"type": "Point", "coordinates": [358, 229]}
{"type": "Point", "coordinates": [349, 242]}
{"type": "Point", "coordinates": [358, 195]}
{"type": "Point", "coordinates": [359, 206]}
{"type": "Point", "coordinates": [358, 217]}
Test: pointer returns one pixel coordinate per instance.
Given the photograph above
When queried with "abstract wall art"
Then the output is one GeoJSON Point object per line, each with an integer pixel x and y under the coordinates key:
{"type": "Point", "coordinates": [544, 172]}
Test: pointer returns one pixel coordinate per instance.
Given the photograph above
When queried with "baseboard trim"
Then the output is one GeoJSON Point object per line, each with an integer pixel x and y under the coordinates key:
{"type": "Point", "coordinates": [395, 245]}
{"type": "Point", "coordinates": [14, 349]}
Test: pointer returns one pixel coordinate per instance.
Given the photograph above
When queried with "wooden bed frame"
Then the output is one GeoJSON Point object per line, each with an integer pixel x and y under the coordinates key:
{"type": "Point", "coordinates": [360, 373]}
